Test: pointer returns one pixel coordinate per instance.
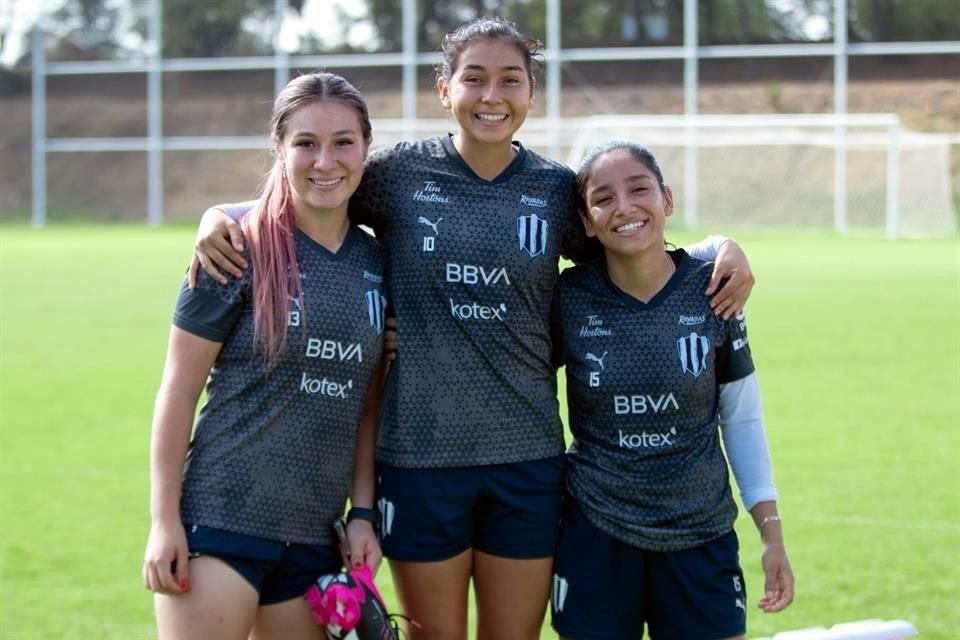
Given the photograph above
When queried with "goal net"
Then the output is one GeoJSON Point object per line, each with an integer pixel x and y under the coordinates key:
{"type": "Point", "coordinates": [854, 173]}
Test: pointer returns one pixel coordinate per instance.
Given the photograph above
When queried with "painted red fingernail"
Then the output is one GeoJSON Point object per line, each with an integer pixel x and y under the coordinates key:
{"type": "Point", "coordinates": [185, 584]}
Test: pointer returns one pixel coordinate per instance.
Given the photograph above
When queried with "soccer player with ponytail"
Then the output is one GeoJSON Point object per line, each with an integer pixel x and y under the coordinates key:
{"type": "Point", "coordinates": [243, 499]}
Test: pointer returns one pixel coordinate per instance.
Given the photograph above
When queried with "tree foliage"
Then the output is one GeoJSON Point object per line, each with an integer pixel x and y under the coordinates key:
{"type": "Point", "coordinates": [98, 29]}
{"type": "Point", "coordinates": [202, 29]}
{"type": "Point", "coordinates": [903, 20]}
{"type": "Point", "coordinates": [86, 30]}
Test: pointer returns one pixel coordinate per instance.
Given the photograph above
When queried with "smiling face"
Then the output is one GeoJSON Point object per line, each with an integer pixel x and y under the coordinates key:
{"type": "Point", "coordinates": [323, 152]}
{"type": "Point", "coordinates": [489, 92]}
{"type": "Point", "coordinates": [626, 207]}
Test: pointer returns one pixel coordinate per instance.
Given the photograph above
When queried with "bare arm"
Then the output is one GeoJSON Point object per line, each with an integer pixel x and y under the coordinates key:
{"type": "Point", "coordinates": [219, 243]}
{"type": "Point", "coordinates": [189, 359]}
{"type": "Point", "coordinates": [364, 548]}
{"type": "Point", "coordinates": [744, 439]}
{"type": "Point", "coordinates": [732, 279]}
{"type": "Point", "coordinates": [778, 574]}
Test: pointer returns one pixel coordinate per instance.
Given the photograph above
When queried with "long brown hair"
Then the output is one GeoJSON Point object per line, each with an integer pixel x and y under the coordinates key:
{"type": "Point", "coordinates": [271, 226]}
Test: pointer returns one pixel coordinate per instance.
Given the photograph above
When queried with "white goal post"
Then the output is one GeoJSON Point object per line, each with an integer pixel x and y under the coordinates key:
{"type": "Point", "coordinates": [852, 173]}
{"type": "Point", "coordinates": [858, 173]}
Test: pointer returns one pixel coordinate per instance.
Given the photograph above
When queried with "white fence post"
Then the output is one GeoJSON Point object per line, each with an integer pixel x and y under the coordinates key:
{"type": "Point", "coordinates": [840, 108]}
{"type": "Point", "coordinates": [409, 45]}
{"type": "Point", "coordinates": [410, 60]}
{"type": "Point", "coordinates": [38, 114]}
{"type": "Point", "coordinates": [691, 82]}
{"type": "Point", "coordinates": [155, 115]}
{"type": "Point", "coordinates": [281, 58]}
{"type": "Point", "coordinates": [893, 182]}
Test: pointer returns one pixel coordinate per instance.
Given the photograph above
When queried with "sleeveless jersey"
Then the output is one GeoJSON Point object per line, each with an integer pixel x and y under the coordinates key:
{"type": "Point", "coordinates": [646, 465]}
{"type": "Point", "coordinates": [471, 266]}
{"type": "Point", "coordinates": [272, 453]}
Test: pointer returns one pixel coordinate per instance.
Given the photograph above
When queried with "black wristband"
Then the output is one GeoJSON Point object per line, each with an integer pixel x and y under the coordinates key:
{"type": "Point", "coordinates": [362, 513]}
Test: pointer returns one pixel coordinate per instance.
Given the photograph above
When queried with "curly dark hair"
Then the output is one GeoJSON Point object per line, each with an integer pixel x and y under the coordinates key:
{"type": "Point", "coordinates": [488, 28]}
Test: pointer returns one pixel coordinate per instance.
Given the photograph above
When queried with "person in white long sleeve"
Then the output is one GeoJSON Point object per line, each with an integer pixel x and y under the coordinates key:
{"type": "Point", "coordinates": [654, 382]}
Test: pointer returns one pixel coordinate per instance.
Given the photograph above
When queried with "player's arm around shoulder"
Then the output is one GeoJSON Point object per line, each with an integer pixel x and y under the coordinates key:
{"type": "Point", "coordinates": [219, 244]}
{"type": "Point", "coordinates": [732, 279]}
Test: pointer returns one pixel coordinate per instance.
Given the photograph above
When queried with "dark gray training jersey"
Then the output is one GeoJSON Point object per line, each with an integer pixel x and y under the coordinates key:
{"type": "Point", "coordinates": [272, 453]}
{"type": "Point", "coordinates": [646, 465]}
{"type": "Point", "coordinates": [471, 266]}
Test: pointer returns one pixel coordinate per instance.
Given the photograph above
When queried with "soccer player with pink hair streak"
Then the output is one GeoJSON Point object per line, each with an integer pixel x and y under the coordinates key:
{"type": "Point", "coordinates": [243, 499]}
{"type": "Point", "coordinates": [470, 455]}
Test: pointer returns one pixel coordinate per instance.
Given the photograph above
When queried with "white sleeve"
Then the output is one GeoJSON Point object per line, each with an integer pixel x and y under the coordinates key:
{"type": "Point", "coordinates": [707, 249]}
{"type": "Point", "coordinates": [236, 209]}
{"type": "Point", "coordinates": [745, 441]}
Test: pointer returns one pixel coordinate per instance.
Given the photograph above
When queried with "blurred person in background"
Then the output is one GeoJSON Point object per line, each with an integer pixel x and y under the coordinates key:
{"type": "Point", "coordinates": [470, 456]}
{"type": "Point", "coordinates": [647, 533]}
{"type": "Point", "coordinates": [242, 503]}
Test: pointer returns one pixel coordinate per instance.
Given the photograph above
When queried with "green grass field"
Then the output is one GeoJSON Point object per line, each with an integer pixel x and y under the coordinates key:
{"type": "Point", "coordinates": [857, 349]}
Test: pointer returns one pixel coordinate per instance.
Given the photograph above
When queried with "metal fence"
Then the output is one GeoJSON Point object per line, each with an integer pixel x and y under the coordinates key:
{"type": "Point", "coordinates": [409, 60]}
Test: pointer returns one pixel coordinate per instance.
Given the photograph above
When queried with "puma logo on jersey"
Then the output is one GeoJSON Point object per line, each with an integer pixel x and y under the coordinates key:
{"type": "Point", "coordinates": [599, 361]}
{"type": "Point", "coordinates": [432, 225]}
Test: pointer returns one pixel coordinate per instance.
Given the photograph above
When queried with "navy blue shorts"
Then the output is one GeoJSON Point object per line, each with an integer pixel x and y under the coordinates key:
{"type": "Point", "coordinates": [278, 571]}
{"type": "Point", "coordinates": [506, 510]}
{"type": "Point", "coordinates": [605, 589]}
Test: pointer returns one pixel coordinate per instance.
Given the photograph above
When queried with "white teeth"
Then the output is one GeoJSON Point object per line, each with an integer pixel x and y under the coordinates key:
{"type": "Point", "coordinates": [325, 183]}
{"type": "Point", "coordinates": [492, 116]}
{"type": "Point", "coordinates": [633, 226]}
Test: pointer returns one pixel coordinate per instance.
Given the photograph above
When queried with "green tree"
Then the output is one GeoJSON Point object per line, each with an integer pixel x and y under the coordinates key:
{"type": "Point", "coordinates": [202, 29]}
{"type": "Point", "coordinates": [745, 22]}
{"type": "Point", "coordinates": [904, 20]}
{"type": "Point", "coordinates": [93, 29]}
{"type": "Point", "coordinates": [86, 30]}
{"type": "Point", "coordinates": [435, 18]}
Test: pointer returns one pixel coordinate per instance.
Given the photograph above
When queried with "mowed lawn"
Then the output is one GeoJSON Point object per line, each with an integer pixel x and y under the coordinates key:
{"type": "Point", "coordinates": [857, 349]}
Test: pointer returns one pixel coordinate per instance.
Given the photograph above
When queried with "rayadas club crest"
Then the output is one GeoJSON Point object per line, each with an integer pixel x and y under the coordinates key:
{"type": "Point", "coordinates": [376, 306]}
{"type": "Point", "coordinates": [693, 350]}
{"type": "Point", "coordinates": [532, 233]}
